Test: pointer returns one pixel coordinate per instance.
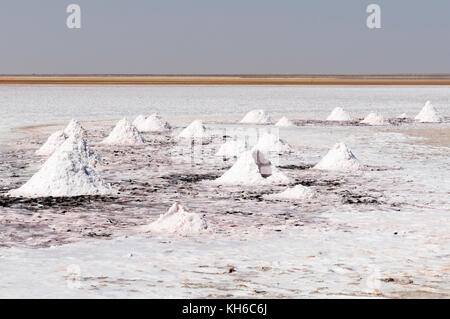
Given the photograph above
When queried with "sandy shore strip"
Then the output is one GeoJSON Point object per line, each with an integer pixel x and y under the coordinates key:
{"type": "Point", "coordinates": [229, 79]}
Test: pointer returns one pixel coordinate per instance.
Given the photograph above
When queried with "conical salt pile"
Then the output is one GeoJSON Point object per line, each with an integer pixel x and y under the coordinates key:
{"type": "Point", "coordinates": [58, 138]}
{"type": "Point", "coordinates": [231, 149]}
{"type": "Point", "coordinates": [298, 192]}
{"type": "Point", "coordinates": [195, 130]}
{"type": "Point", "coordinates": [339, 158]}
{"type": "Point", "coordinates": [53, 142]}
{"type": "Point", "coordinates": [338, 114]}
{"type": "Point", "coordinates": [178, 221]}
{"type": "Point", "coordinates": [428, 114]}
{"type": "Point", "coordinates": [139, 120]}
{"type": "Point", "coordinates": [271, 143]}
{"type": "Point", "coordinates": [256, 117]}
{"type": "Point", "coordinates": [74, 127]}
{"type": "Point", "coordinates": [65, 173]}
{"type": "Point", "coordinates": [373, 119]}
{"type": "Point", "coordinates": [285, 122]}
{"type": "Point", "coordinates": [124, 133]}
{"type": "Point", "coordinates": [252, 168]}
{"type": "Point", "coordinates": [153, 123]}
{"type": "Point", "coordinates": [76, 143]}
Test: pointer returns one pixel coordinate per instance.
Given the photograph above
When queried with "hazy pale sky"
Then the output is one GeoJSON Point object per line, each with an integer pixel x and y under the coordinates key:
{"type": "Point", "coordinates": [224, 37]}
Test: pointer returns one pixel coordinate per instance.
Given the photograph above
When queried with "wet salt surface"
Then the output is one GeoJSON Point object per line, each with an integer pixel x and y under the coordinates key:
{"type": "Point", "coordinates": [381, 232]}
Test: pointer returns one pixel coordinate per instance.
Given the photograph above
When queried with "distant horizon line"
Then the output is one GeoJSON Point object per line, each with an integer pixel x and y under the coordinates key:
{"type": "Point", "coordinates": [227, 79]}
{"type": "Point", "coordinates": [229, 74]}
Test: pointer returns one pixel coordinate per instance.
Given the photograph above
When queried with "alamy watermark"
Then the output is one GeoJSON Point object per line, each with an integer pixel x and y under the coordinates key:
{"type": "Point", "coordinates": [74, 19]}
{"type": "Point", "coordinates": [203, 150]}
{"type": "Point", "coordinates": [374, 19]}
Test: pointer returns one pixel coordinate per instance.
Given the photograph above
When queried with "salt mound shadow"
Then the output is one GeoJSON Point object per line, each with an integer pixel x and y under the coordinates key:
{"type": "Point", "coordinates": [76, 143]}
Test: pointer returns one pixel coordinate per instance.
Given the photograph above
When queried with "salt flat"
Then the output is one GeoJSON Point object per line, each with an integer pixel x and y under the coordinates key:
{"type": "Point", "coordinates": [23, 105]}
{"type": "Point", "coordinates": [382, 232]}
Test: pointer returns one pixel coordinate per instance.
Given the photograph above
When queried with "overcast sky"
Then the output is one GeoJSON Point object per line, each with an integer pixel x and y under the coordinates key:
{"type": "Point", "coordinates": [224, 37]}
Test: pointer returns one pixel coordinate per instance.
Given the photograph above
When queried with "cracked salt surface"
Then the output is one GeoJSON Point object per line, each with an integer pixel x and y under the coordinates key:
{"type": "Point", "coordinates": [381, 232]}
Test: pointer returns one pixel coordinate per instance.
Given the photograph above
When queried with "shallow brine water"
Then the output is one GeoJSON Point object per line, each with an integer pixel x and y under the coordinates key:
{"type": "Point", "coordinates": [380, 232]}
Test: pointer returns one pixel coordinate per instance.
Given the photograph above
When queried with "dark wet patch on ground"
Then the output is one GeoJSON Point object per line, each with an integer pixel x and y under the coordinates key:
{"type": "Point", "coordinates": [133, 185]}
{"type": "Point", "coordinates": [399, 121]}
{"type": "Point", "coordinates": [324, 183]}
{"type": "Point", "coordinates": [296, 167]}
{"type": "Point", "coordinates": [257, 197]}
{"type": "Point", "coordinates": [328, 123]}
{"type": "Point", "coordinates": [381, 169]}
{"type": "Point", "coordinates": [351, 198]}
{"type": "Point", "coordinates": [189, 178]}
{"type": "Point", "coordinates": [357, 122]}
{"type": "Point", "coordinates": [52, 202]}
{"type": "Point", "coordinates": [238, 213]}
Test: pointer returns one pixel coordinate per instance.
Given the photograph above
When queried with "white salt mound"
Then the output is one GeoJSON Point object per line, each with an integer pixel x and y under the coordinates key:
{"type": "Point", "coordinates": [256, 117]}
{"type": "Point", "coordinates": [338, 114]}
{"type": "Point", "coordinates": [76, 143]}
{"type": "Point", "coordinates": [402, 116]}
{"type": "Point", "coordinates": [139, 120]}
{"type": "Point", "coordinates": [428, 114]}
{"type": "Point", "coordinates": [270, 143]}
{"type": "Point", "coordinates": [195, 130]}
{"type": "Point", "coordinates": [231, 149]}
{"type": "Point", "coordinates": [297, 192]}
{"type": "Point", "coordinates": [373, 119]}
{"type": "Point", "coordinates": [124, 133]}
{"type": "Point", "coordinates": [58, 138]}
{"type": "Point", "coordinates": [252, 168]}
{"type": "Point", "coordinates": [74, 127]}
{"type": "Point", "coordinates": [65, 173]}
{"type": "Point", "coordinates": [178, 221]}
{"type": "Point", "coordinates": [285, 122]}
{"type": "Point", "coordinates": [53, 142]}
{"type": "Point", "coordinates": [153, 123]}
{"type": "Point", "coordinates": [339, 158]}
